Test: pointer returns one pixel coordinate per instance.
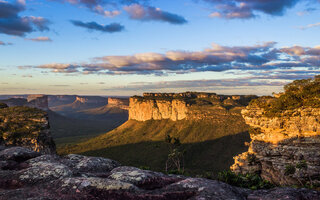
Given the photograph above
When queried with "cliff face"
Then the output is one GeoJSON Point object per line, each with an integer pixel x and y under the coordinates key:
{"type": "Point", "coordinates": [122, 103]}
{"type": "Point", "coordinates": [27, 127]}
{"type": "Point", "coordinates": [157, 109]}
{"type": "Point", "coordinates": [179, 106]}
{"type": "Point", "coordinates": [284, 149]}
{"type": "Point", "coordinates": [91, 100]}
{"type": "Point", "coordinates": [38, 101]}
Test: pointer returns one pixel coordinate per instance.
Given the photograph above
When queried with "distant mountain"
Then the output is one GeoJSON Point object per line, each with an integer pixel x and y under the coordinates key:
{"type": "Point", "coordinates": [57, 100]}
{"type": "Point", "coordinates": [79, 104]}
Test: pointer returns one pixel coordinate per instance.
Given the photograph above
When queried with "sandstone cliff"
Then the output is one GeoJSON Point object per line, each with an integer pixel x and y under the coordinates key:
{"type": "Point", "coordinates": [38, 101]}
{"type": "Point", "coordinates": [27, 127]}
{"type": "Point", "coordinates": [284, 149]}
{"type": "Point", "coordinates": [179, 106]}
{"type": "Point", "coordinates": [122, 103]}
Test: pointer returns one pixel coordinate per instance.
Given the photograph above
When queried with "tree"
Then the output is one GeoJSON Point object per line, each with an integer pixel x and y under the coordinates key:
{"type": "Point", "coordinates": [175, 161]}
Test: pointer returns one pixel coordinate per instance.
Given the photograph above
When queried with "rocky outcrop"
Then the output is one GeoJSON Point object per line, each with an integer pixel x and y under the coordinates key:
{"type": "Point", "coordinates": [179, 106]}
{"type": "Point", "coordinates": [122, 103]}
{"type": "Point", "coordinates": [38, 101]}
{"type": "Point", "coordinates": [29, 175]}
{"type": "Point", "coordinates": [91, 100]}
{"type": "Point", "coordinates": [27, 127]}
{"type": "Point", "coordinates": [143, 110]}
{"type": "Point", "coordinates": [284, 149]}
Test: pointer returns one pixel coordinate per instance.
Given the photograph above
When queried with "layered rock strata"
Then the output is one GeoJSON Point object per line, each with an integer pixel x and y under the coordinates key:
{"type": "Point", "coordinates": [284, 149]}
{"type": "Point", "coordinates": [179, 106]}
{"type": "Point", "coordinates": [122, 103]}
{"type": "Point", "coordinates": [38, 101]}
{"type": "Point", "coordinates": [26, 174]}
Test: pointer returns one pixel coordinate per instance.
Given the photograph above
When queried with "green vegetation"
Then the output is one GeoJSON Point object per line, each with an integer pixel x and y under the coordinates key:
{"type": "Point", "coordinates": [175, 159]}
{"type": "Point", "coordinates": [289, 170]}
{"type": "Point", "coordinates": [3, 105]}
{"type": "Point", "coordinates": [251, 181]}
{"type": "Point", "coordinates": [302, 165]}
{"type": "Point", "coordinates": [299, 93]}
{"type": "Point", "coordinates": [210, 144]}
{"type": "Point", "coordinates": [66, 130]}
{"type": "Point", "coordinates": [17, 123]}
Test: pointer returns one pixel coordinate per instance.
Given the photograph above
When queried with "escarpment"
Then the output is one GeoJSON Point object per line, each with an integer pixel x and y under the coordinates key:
{"type": "Point", "coordinates": [179, 106]}
{"type": "Point", "coordinates": [27, 127]}
{"type": "Point", "coordinates": [285, 143]}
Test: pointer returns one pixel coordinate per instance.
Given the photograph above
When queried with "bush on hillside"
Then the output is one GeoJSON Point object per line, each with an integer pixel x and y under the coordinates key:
{"type": "Point", "coordinates": [251, 181]}
{"type": "Point", "coordinates": [299, 93]}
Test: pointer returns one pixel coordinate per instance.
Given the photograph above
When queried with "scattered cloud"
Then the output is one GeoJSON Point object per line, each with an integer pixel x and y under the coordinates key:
{"type": "Point", "coordinates": [102, 7]}
{"type": "Point", "coordinates": [246, 9]}
{"type": "Point", "coordinates": [310, 26]}
{"type": "Point", "coordinates": [13, 24]}
{"type": "Point", "coordinates": [111, 28]}
{"type": "Point", "coordinates": [5, 44]}
{"type": "Point", "coordinates": [27, 76]}
{"type": "Point", "coordinates": [40, 39]}
{"type": "Point", "coordinates": [148, 13]}
{"type": "Point", "coordinates": [306, 11]}
{"type": "Point", "coordinates": [59, 85]}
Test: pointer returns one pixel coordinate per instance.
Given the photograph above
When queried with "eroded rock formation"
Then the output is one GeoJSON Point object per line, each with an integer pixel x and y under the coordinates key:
{"type": "Point", "coordinates": [122, 103]}
{"type": "Point", "coordinates": [38, 101]}
{"type": "Point", "coordinates": [179, 106]}
{"type": "Point", "coordinates": [27, 127]}
{"type": "Point", "coordinates": [284, 149]}
{"type": "Point", "coordinates": [26, 174]}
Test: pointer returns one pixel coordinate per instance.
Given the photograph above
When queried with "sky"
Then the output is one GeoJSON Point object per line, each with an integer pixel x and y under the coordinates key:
{"type": "Point", "coordinates": [127, 47]}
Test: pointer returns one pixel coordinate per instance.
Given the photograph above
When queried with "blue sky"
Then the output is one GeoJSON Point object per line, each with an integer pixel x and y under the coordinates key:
{"type": "Point", "coordinates": [128, 47]}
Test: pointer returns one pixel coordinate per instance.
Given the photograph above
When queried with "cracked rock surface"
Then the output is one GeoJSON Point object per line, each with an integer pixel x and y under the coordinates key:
{"type": "Point", "coordinates": [26, 174]}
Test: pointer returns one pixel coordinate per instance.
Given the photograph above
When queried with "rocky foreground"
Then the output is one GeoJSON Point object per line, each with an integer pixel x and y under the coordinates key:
{"type": "Point", "coordinates": [26, 174]}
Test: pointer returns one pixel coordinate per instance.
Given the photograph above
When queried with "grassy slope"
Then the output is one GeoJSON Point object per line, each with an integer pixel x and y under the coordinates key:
{"type": "Point", "coordinates": [67, 130]}
{"type": "Point", "coordinates": [210, 143]}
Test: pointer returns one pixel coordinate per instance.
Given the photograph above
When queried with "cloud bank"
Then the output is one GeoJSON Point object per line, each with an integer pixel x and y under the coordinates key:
{"type": "Point", "coordinates": [246, 9]}
{"type": "Point", "coordinates": [261, 57]}
{"type": "Point", "coordinates": [11, 23]}
{"type": "Point", "coordinates": [4, 43]}
{"type": "Point", "coordinates": [111, 28]}
{"type": "Point", "coordinates": [40, 39]}
{"type": "Point", "coordinates": [148, 13]}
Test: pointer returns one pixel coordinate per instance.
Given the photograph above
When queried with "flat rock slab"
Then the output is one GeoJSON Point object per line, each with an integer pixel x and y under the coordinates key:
{"type": "Point", "coordinates": [27, 175]}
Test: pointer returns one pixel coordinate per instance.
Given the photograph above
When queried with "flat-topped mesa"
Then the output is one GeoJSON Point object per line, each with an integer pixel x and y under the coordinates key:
{"type": "Point", "coordinates": [122, 103]}
{"type": "Point", "coordinates": [285, 136]}
{"type": "Point", "coordinates": [38, 101]}
{"type": "Point", "coordinates": [90, 100]}
{"type": "Point", "coordinates": [181, 95]}
{"type": "Point", "coordinates": [179, 106]}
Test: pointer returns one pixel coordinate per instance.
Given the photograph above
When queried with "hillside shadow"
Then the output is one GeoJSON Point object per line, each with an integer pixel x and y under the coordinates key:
{"type": "Point", "coordinates": [208, 156]}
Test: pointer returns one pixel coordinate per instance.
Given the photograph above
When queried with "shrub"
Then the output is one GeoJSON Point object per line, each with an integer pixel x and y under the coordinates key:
{"type": "Point", "coordinates": [299, 93]}
{"type": "Point", "coordinates": [302, 165]}
{"type": "Point", "coordinates": [289, 170]}
{"type": "Point", "coordinates": [251, 181]}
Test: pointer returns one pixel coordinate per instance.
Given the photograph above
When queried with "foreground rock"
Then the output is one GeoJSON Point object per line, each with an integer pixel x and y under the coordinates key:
{"type": "Point", "coordinates": [26, 174]}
